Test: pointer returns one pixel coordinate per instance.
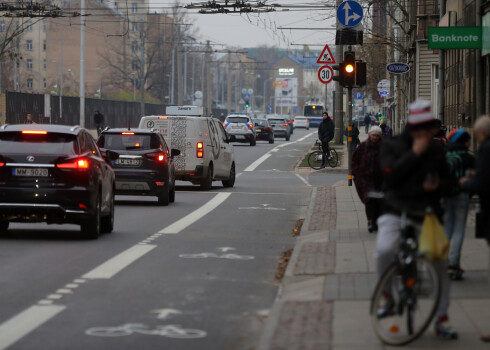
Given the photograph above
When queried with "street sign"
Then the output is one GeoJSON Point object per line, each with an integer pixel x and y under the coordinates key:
{"type": "Point", "coordinates": [246, 97]}
{"type": "Point", "coordinates": [455, 38]}
{"type": "Point", "coordinates": [326, 56]}
{"type": "Point", "coordinates": [397, 68]}
{"type": "Point", "coordinates": [325, 74]}
{"type": "Point", "coordinates": [349, 13]}
{"type": "Point", "coordinates": [269, 108]}
{"type": "Point", "coordinates": [384, 93]}
{"type": "Point", "coordinates": [384, 85]}
{"type": "Point", "coordinates": [250, 91]}
{"type": "Point", "coordinates": [358, 96]}
{"type": "Point", "coordinates": [244, 91]}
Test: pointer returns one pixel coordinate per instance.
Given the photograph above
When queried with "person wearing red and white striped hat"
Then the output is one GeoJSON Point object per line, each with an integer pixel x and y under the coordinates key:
{"type": "Point", "coordinates": [415, 176]}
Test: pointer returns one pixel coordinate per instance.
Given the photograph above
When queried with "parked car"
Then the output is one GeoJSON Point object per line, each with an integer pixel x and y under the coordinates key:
{"type": "Point", "coordinates": [145, 165]}
{"type": "Point", "coordinates": [280, 127]}
{"type": "Point", "coordinates": [263, 130]}
{"type": "Point", "coordinates": [55, 174]}
{"type": "Point", "coordinates": [301, 122]}
{"type": "Point", "coordinates": [241, 127]}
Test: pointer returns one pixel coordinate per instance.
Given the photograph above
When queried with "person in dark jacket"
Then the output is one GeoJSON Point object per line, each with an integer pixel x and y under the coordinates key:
{"type": "Point", "coordinates": [99, 121]}
{"type": "Point", "coordinates": [387, 131]}
{"type": "Point", "coordinates": [368, 176]}
{"type": "Point", "coordinates": [415, 176]}
{"type": "Point", "coordinates": [367, 122]}
{"type": "Point", "coordinates": [457, 203]}
{"type": "Point", "coordinates": [29, 119]}
{"type": "Point", "coordinates": [326, 131]}
{"type": "Point", "coordinates": [354, 134]}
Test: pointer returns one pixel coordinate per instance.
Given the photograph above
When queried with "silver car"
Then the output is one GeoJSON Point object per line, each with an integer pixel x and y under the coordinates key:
{"type": "Point", "coordinates": [280, 127]}
{"type": "Point", "coordinates": [301, 122]}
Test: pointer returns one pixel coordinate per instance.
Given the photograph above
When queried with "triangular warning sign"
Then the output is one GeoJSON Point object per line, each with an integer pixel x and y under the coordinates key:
{"type": "Point", "coordinates": [326, 56]}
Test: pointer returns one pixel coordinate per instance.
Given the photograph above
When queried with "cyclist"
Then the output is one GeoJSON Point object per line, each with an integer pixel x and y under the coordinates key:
{"type": "Point", "coordinates": [99, 122]}
{"type": "Point", "coordinates": [326, 131]}
{"type": "Point", "coordinates": [415, 176]}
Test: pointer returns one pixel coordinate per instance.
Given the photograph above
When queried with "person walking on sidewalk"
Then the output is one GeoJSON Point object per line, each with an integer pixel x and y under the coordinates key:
{"type": "Point", "coordinates": [326, 131]}
{"type": "Point", "coordinates": [354, 134]}
{"type": "Point", "coordinates": [457, 203]}
{"type": "Point", "coordinates": [415, 176]}
{"type": "Point", "coordinates": [478, 183]}
{"type": "Point", "coordinates": [367, 174]}
{"type": "Point", "coordinates": [367, 122]}
{"type": "Point", "coordinates": [387, 131]}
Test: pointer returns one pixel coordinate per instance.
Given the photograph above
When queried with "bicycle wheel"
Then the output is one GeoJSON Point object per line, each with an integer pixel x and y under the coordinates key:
{"type": "Point", "coordinates": [333, 158]}
{"type": "Point", "coordinates": [315, 160]}
{"type": "Point", "coordinates": [405, 301]}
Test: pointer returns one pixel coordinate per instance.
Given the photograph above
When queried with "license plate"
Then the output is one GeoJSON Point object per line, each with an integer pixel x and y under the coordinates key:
{"type": "Point", "coordinates": [258, 130]}
{"type": "Point", "coordinates": [239, 137]}
{"type": "Point", "coordinates": [237, 127]}
{"type": "Point", "coordinates": [128, 162]}
{"type": "Point", "coordinates": [30, 172]}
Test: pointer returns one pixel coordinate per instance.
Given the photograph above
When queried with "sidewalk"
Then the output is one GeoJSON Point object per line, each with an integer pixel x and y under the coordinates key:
{"type": "Point", "coordinates": [323, 302]}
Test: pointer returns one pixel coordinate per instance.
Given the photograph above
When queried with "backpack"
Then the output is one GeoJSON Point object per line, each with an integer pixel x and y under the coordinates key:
{"type": "Point", "coordinates": [456, 169]}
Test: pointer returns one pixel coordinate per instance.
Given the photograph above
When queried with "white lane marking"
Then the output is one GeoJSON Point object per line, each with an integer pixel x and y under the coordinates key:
{"type": "Point", "coordinates": [303, 179]}
{"type": "Point", "coordinates": [259, 161]}
{"type": "Point", "coordinates": [165, 313]}
{"type": "Point", "coordinates": [25, 322]}
{"type": "Point", "coordinates": [119, 262]}
{"type": "Point", "coordinates": [79, 281]}
{"type": "Point", "coordinates": [197, 214]}
{"type": "Point", "coordinates": [64, 291]}
{"type": "Point", "coordinates": [54, 296]}
{"type": "Point", "coordinates": [71, 285]}
{"type": "Point", "coordinates": [45, 302]}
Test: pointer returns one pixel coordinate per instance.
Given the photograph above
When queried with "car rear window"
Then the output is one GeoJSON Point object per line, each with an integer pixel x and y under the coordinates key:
{"type": "Point", "coordinates": [277, 121]}
{"type": "Point", "coordinates": [299, 118]}
{"type": "Point", "coordinates": [261, 122]}
{"type": "Point", "coordinates": [237, 120]}
{"type": "Point", "coordinates": [128, 141]}
{"type": "Point", "coordinates": [15, 142]}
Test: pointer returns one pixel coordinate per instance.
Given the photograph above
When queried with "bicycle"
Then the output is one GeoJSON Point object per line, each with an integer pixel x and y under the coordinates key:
{"type": "Point", "coordinates": [315, 158]}
{"type": "Point", "coordinates": [407, 294]}
{"type": "Point", "coordinates": [169, 331]}
{"type": "Point", "coordinates": [99, 128]}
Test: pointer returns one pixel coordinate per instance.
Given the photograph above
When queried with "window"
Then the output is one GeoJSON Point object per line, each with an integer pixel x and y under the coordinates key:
{"type": "Point", "coordinates": [29, 83]}
{"type": "Point", "coordinates": [134, 7]}
{"type": "Point", "coordinates": [28, 26]}
{"type": "Point", "coordinates": [29, 64]}
{"type": "Point", "coordinates": [134, 46]}
{"type": "Point", "coordinates": [134, 27]}
{"type": "Point", "coordinates": [3, 27]}
{"type": "Point", "coordinates": [45, 83]}
{"type": "Point", "coordinates": [135, 65]}
{"type": "Point", "coordinates": [29, 45]}
{"type": "Point", "coordinates": [44, 64]}
{"type": "Point", "coordinates": [44, 45]}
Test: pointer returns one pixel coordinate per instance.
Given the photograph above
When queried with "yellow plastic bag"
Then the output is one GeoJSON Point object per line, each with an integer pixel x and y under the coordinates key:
{"type": "Point", "coordinates": [433, 242]}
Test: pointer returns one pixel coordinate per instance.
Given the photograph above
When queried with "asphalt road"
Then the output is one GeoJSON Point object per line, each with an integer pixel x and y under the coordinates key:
{"type": "Point", "coordinates": [198, 274]}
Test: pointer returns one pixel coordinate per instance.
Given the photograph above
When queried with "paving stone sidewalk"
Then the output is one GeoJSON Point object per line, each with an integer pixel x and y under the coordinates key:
{"type": "Point", "coordinates": [324, 299]}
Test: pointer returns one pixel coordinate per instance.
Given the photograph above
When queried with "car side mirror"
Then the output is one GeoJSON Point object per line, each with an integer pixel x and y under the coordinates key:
{"type": "Point", "coordinates": [111, 155]}
{"type": "Point", "coordinates": [174, 152]}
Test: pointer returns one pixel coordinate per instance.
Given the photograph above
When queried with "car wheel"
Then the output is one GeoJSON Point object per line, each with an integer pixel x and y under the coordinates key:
{"type": "Point", "coordinates": [172, 194]}
{"type": "Point", "coordinates": [90, 227]}
{"type": "Point", "coordinates": [107, 222]}
{"type": "Point", "coordinates": [207, 182]}
{"type": "Point", "coordinates": [253, 142]}
{"type": "Point", "coordinates": [164, 196]}
{"type": "Point", "coordinates": [231, 179]}
{"type": "Point", "coordinates": [307, 128]}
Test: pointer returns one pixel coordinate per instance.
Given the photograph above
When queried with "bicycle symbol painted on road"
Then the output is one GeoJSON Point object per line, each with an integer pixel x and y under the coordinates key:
{"type": "Point", "coordinates": [230, 256]}
{"type": "Point", "coordinates": [169, 331]}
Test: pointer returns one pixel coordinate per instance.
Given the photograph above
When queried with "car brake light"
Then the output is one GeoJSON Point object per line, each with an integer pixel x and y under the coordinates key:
{"type": "Point", "coordinates": [162, 117]}
{"type": "Point", "coordinates": [160, 183]}
{"type": "Point", "coordinates": [77, 164]}
{"type": "Point", "coordinates": [157, 156]}
{"type": "Point", "coordinates": [267, 128]}
{"type": "Point", "coordinates": [200, 150]}
{"type": "Point", "coordinates": [284, 124]}
{"type": "Point", "coordinates": [224, 125]}
{"type": "Point", "coordinates": [289, 122]}
{"type": "Point", "coordinates": [161, 157]}
{"type": "Point", "coordinates": [34, 132]}
{"type": "Point", "coordinates": [127, 133]}
{"type": "Point", "coordinates": [306, 121]}
{"type": "Point", "coordinates": [2, 164]}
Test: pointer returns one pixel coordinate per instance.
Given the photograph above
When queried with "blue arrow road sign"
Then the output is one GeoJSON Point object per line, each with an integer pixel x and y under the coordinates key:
{"type": "Point", "coordinates": [246, 97]}
{"type": "Point", "coordinates": [384, 93]}
{"type": "Point", "coordinates": [358, 96]}
{"type": "Point", "coordinates": [349, 13]}
{"type": "Point", "coordinates": [269, 108]}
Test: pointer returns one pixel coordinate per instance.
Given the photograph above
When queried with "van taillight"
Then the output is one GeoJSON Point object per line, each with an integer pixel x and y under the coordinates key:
{"type": "Point", "coordinates": [77, 164]}
{"type": "Point", "coordinates": [200, 150]}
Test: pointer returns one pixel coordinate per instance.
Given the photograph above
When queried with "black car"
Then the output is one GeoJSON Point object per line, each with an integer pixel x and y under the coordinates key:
{"type": "Point", "coordinates": [55, 174]}
{"type": "Point", "coordinates": [263, 130]}
{"type": "Point", "coordinates": [145, 165]}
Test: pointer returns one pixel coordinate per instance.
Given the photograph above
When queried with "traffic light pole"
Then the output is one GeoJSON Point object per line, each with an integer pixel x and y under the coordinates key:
{"type": "Point", "coordinates": [339, 101]}
{"type": "Point", "coordinates": [349, 135]}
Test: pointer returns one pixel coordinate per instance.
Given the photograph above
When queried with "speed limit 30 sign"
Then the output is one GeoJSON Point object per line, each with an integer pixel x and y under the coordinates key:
{"type": "Point", "coordinates": [325, 74]}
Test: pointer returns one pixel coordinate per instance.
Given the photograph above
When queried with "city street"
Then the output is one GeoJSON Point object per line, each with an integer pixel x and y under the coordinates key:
{"type": "Point", "coordinates": [198, 274]}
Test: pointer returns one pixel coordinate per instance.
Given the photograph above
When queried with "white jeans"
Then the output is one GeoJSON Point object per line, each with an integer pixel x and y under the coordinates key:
{"type": "Point", "coordinates": [387, 245]}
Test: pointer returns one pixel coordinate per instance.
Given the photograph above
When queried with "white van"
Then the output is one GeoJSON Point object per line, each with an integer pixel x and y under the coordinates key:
{"type": "Point", "coordinates": [205, 151]}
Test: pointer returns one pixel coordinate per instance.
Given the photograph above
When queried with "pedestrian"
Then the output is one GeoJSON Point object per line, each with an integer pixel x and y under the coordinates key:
{"type": "Point", "coordinates": [478, 181]}
{"type": "Point", "coordinates": [28, 119]}
{"type": "Point", "coordinates": [457, 202]}
{"type": "Point", "coordinates": [99, 122]}
{"type": "Point", "coordinates": [415, 176]}
{"type": "Point", "coordinates": [368, 176]}
{"type": "Point", "coordinates": [326, 131]}
{"type": "Point", "coordinates": [367, 122]}
{"type": "Point", "coordinates": [354, 134]}
{"type": "Point", "coordinates": [387, 131]}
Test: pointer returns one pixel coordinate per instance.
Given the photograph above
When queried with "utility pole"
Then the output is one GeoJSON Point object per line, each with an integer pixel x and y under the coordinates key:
{"type": "Point", "coordinates": [209, 92]}
{"type": "Point", "coordinates": [442, 12]}
{"type": "Point", "coordinates": [82, 64]}
{"type": "Point", "coordinates": [180, 89]}
{"type": "Point", "coordinates": [349, 134]}
{"type": "Point", "coordinates": [142, 70]}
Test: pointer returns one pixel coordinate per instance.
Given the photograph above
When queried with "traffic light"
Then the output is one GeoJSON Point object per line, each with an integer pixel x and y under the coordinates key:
{"type": "Point", "coordinates": [360, 73]}
{"type": "Point", "coordinates": [339, 77]}
{"type": "Point", "coordinates": [247, 104]}
{"type": "Point", "coordinates": [348, 69]}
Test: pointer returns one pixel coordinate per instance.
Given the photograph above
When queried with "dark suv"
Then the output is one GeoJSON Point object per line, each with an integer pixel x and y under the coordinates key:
{"type": "Point", "coordinates": [55, 174]}
{"type": "Point", "coordinates": [145, 165]}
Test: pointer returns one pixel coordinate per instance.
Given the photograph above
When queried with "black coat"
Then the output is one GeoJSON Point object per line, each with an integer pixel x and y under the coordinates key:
{"type": "Point", "coordinates": [480, 184]}
{"type": "Point", "coordinates": [326, 130]}
{"type": "Point", "coordinates": [404, 174]}
{"type": "Point", "coordinates": [98, 118]}
{"type": "Point", "coordinates": [367, 120]}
